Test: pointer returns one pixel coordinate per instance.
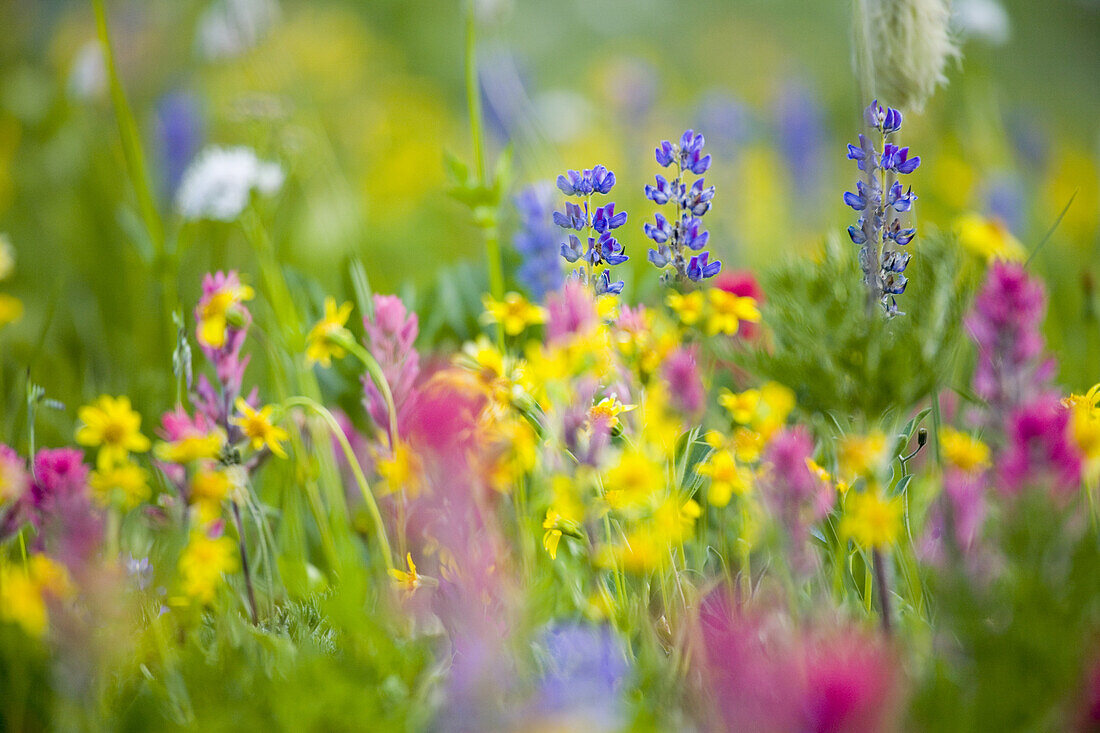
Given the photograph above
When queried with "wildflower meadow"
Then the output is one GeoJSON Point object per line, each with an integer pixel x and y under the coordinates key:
{"type": "Point", "coordinates": [501, 365]}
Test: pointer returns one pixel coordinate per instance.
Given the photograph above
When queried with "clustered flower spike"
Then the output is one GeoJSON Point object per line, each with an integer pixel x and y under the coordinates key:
{"type": "Point", "coordinates": [535, 240]}
{"type": "Point", "coordinates": [595, 226]}
{"type": "Point", "coordinates": [685, 231]}
{"type": "Point", "coordinates": [879, 197]}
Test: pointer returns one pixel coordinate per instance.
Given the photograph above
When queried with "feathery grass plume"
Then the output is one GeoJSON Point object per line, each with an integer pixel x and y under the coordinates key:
{"type": "Point", "coordinates": [904, 47]}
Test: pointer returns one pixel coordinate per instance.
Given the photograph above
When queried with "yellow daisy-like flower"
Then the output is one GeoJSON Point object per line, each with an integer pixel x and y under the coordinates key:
{"type": "Point", "coordinates": [726, 477]}
{"type": "Point", "coordinates": [11, 309]}
{"type": "Point", "coordinates": [634, 481]}
{"type": "Point", "coordinates": [552, 536]}
{"type": "Point", "coordinates": [609, 409]}
{"type": "Point", "coordinates": [747, 445]}
{"type": "Point", "coordinates": [324, 340]}
{"type": "Point", "coordinates": [23, 595]}
{"type": "Point", "coordinates": [989, 238]}
{"type": "Point", "coordinates": [728, 310]}
{"type": "Point", "coordinates": [515, 313]}
{"type": "Point", "coordinates": [688, 307]}
{"type": "Point", "coordinates": [256, 426]}
{"type": "Point", "coordinates": [202, 565]}
{"type": "Point", "coordinates": [126, 485]}
{"type": "Point", "coordinates": [408, 581]}
{"type": "Point", "coordinates": [209, 487]}
{"type": "Point", "coordinates": [963, 451]}
{"type": "Point", "coordinates": [191, 448]}
{"type": "Point", "coordinates": [861, 455]}
{"type": "Point", "coordinates": [400, 471]}
{"type": "Point", "coordinates": [111, 425]}
{"type": "Point", "coordinates": [742, 406]}
{"type": "Point", "coordinates": [214, 313]}
{"type": "Point", "coordinates": [871, 520]}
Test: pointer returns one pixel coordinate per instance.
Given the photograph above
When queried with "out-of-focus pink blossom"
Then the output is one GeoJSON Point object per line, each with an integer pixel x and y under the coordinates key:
{"type": "Point", "coordinates": [762, 674]}
{"type": "Point", "coordinates": [390, 339]}
{"type": "Point", "coordinates": [1039, 449]}
{"type": "Point", "coordinates": [685, 384]}
{"type": "Point", "coordinates": [571, 310]}
{"type": "Point", "coordinates": [795, 495]}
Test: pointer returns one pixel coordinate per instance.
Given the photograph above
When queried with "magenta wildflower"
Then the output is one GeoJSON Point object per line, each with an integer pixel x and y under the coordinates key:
{"type": "Point", "coordinates": [223, 322]}
{"type": "Point", "coordinates": [1039, 449]}
{"type": "Point", "coordinates": [571, 310]}
{"type": "Point", "coordinates": [58, 474]}
{"type": "Point", "coordinates": [796, 496]}
{"type": "Point", "coordinates": [390, 338]}
{"type": "Point", "coordinates": [685, 385]}
{"type": "Point", "coordinates": [1004, 324]}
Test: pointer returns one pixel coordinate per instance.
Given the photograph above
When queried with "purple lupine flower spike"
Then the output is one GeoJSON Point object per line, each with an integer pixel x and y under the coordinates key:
{"type": "Point", "coordinates": [879, 197]}
{"type": "Point", "coordinates": [603, 249]}
{"type": "Point", "coordinates": [674, 236]}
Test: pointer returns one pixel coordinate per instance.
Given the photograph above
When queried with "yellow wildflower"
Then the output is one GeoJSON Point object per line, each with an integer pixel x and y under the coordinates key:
{"type": "Point", "coordinates": [608, 409]}
{"type": "Point", "coordinates": [23, 595]}
{"type": "Point", "coordinates": [741, 406]}
{"type": "Point", "coordinates": [515, 313]}
{"type": "Point", "coordinates": [191, 448]}
{"type": "Point", "coordinates": [324, 340]}
{"type": "Point", "coordinates": [400, 471]}
{"type": "Point", "coordinates": [487, 359]}
{"type": "Point", "coordinates": [408, 581]}
{"type": "Point", "coordinates": [552, 536]}
{"type": "Point", "coordinates": [215, 310]}
{"type": "Point", "coordinates": [728, 310]}
{"type": "Point", "coordinates": [871, 520]}
{"type": "Point", "coordinates": [11, 309]}
{"type": "Point", "coordinates": [861, 455]}
{"type": "Point", "coordinates": [779, 402]}
{"type": "Point", "coordinates": [1085, 425]}
{"type": "Point", "coordinates": [747, 445]}
{"type": "Point", "coordinates": [688, 307]}
{"type": "Point", "coordinates": [256, 426]}
{"type": "Point", "coordinates": [962, 451]}
{"type": "Point", "coordinates": [634, 481]}
{"type": "Point", "coordinates": [203, 563]}
{"type": "Point", "coordinates": [989, 238]}
{"type": "Point", "coordinates": [111, 424]}
{"type": "Point", "coordinates": [209, 487]}
{"type": "Point", "coordinates": [726, 477]}
{"type": "Point", "coordinates": [124, 484]}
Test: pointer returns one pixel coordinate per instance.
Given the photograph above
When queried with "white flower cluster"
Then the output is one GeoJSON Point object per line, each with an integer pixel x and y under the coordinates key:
{"type": "Point", "coordinates": [219, 182]}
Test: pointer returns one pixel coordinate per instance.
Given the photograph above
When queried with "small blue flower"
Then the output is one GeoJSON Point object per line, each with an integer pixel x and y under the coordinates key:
{"type": "Point", "coordinates": [660, 232]}
{"type": "Point", "coordinates": [660, 256]}
{"type": "Point", "coordinates": [605, 219]}
{"type": "Point", "coordinates": [692, 234]}
{"type": "Point", "coordinates": [604, 286]}
{"type": "Point", "coordinates": [864, 155]}
{"type": "Point", "coordinates": [574, 217]}
{"type": "Point", "coordinates": [661, 193]}
{"type": "Point", "coordinates": [888, 120]}
{"type": "Point", "coordinates": [698, 269]}
{"type": "Point", "coordinates": [691, 153]}
{"type": "Point", "coordinates": [697, 200]}
{"type": "Point", "coordinates": [897, 159]}
{"type": "Point", "coordinates": [665, 154]}
{"type": "Point", "coordinates": [571, 250]}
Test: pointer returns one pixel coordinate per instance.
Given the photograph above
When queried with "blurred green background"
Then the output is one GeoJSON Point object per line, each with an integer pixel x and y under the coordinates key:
{"type": "Point", "coordinates": [359, 101]}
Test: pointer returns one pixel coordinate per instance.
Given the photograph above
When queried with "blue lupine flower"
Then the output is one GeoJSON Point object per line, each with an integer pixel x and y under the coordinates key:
{"type": "Point", "coordinates": [684, 231]}
{"type": "Point", "coordinates": [605, 219]}
{"type": "Point", "coordinates": [878, 232]}
{"type": "Point", "coordinates": [540, 272]}
{"type": "Point", "coordinates": [602, 248]}
{"type": "Point", "coordinates": [698, 269]}
{"type": "Point", "coordinates": [583, 672]}
{"type": "Point", "coordinates": [179, 136]}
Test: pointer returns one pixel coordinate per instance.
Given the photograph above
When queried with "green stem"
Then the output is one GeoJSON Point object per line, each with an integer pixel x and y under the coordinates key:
{"type": "Point", "coordinates": [473, 104]}
{"type": "Point", "coordinates": [357, 471]}
{"type": "Point", "coordinates": [374, 369]}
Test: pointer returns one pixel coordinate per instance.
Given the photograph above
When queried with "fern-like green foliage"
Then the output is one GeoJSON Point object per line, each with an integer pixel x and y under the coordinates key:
{"type": "Point", "coordinates": [842, 357]}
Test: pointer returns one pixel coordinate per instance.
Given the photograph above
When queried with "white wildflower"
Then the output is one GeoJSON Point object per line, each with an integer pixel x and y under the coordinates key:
{"type": "Point", "coordinates": [88, 75]}
{"type": "Point", "coordinates": [985, 20]}
{"type": "Point", "coordinates": [219, 182]}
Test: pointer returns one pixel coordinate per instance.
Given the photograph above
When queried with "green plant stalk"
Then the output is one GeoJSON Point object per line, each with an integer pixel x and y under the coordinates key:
{"type": "Point", "coordinates": [490, 232]}
{"type": "Point", "coordinates": [374, 369]}
{"type": "Point", "coordinates": [357, 471]}
{"type": "Point", "coordinates": [135, 159]}
{"type": "Point", "coordinates": [246, 568]}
